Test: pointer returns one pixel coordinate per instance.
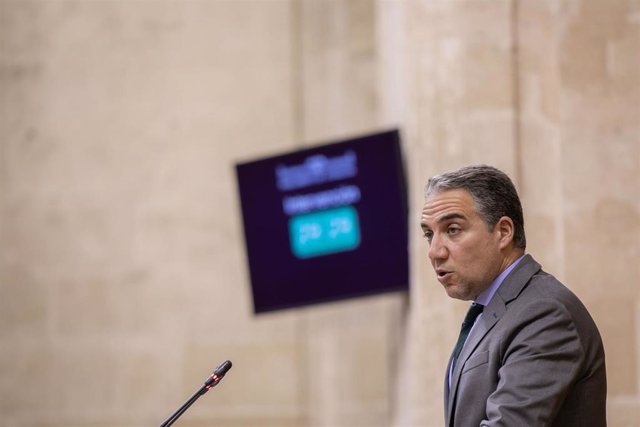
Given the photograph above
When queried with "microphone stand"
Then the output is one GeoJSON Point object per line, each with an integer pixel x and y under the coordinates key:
{"type": "Point", "coordinates": [210, 383]}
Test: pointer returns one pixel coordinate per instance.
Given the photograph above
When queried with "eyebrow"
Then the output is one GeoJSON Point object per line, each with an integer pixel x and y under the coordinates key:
{"type": "Point", "coordinates": [445, 218]}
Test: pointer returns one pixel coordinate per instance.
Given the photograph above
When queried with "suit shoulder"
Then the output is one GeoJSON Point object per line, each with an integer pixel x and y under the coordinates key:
{"type": "Point", "coordinates": [547, 287]}
{"type": "Point", "coordinates": [546, 293]}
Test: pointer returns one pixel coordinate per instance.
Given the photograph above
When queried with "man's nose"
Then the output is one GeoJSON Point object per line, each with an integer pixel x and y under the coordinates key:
{"type": "Point", "coordinates": [437, 249]}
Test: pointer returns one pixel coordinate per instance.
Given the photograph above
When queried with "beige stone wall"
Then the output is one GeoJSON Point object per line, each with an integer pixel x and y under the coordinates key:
{"type": "Point", "coordinates": [122, 269]}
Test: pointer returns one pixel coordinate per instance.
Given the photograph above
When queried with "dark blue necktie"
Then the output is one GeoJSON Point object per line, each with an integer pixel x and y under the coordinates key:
{"type": "Point", "coordinates": [467, 324]}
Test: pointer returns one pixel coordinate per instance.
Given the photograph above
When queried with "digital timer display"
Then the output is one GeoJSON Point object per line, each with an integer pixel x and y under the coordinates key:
{"type": "Point", "coordinates": [325, 223]}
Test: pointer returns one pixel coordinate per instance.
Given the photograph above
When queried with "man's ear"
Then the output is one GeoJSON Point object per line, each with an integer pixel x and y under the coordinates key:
{"type": "Point", "coordinates": [506, 231]}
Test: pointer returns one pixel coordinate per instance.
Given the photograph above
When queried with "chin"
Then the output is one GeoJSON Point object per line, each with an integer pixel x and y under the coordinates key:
{"type": "Point", "coordinates": [455, 292]}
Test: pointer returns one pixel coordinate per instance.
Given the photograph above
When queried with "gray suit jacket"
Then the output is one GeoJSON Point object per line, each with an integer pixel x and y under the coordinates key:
{"type": "Point", "coordinates": [534, 358]}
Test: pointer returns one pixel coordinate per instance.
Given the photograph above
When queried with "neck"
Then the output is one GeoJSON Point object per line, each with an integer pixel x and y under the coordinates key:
{"type": "Point", "coordinates": [510, 258]}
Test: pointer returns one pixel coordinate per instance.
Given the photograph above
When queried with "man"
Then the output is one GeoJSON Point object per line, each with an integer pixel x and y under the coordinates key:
{"type": "Point", "coordinates": [533, 356]}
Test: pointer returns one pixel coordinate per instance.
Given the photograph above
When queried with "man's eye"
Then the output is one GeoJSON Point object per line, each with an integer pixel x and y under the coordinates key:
{"type": "Point", "coordinates": [453, 230]}
{"type": "Point", "coordinates": [428, 235]}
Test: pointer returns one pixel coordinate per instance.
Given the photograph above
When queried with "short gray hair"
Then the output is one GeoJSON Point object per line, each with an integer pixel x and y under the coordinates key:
{"type": "Point", "coordinates": [492, 191]}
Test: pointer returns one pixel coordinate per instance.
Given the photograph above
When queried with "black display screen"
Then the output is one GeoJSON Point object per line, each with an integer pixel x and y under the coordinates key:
{"type": "Point", "coordinates": [326, 223]}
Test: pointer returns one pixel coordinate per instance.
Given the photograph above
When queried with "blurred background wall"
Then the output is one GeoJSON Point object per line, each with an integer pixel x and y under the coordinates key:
{"type": "Point", "coordinates": [123, 280]}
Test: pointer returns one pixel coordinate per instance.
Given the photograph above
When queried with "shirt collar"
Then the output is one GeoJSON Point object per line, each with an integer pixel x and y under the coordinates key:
{"type": "Point", "coordinates": [485, 296]}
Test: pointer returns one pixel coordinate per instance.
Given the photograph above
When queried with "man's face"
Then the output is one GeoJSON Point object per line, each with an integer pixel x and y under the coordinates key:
{"type": "Point", "coordinates": [464, 253]}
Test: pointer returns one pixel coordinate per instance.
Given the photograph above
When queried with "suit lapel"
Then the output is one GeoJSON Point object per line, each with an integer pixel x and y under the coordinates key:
{"type": "Point", "coordinates": [493, 312]}
{"type": "Point", "coordinates": [490, 316]}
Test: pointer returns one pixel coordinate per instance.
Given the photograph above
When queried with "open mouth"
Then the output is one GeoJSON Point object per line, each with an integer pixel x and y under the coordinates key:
{"type": "Point", "coordinates": [442, 274]}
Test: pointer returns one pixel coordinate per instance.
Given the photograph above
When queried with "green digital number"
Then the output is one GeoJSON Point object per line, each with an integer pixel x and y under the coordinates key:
{"type": "Point", "coordinates": [324, 232]}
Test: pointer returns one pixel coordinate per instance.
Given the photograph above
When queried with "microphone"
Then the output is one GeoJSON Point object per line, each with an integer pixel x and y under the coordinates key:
{"type": "Point", "coordinates": [210, 383]}
{"type": "Point", "coordinates": [217, 375]}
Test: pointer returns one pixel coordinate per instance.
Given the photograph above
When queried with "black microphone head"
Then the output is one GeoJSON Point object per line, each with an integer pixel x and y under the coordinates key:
{"type": "Point", "coordinates": [222, 369]}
